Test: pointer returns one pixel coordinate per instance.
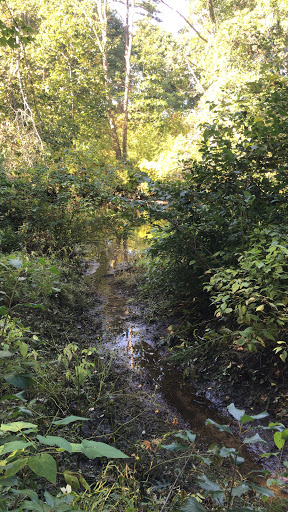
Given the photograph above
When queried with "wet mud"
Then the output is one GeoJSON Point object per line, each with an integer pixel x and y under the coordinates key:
{"type": "Point", "coordinates": [134, 344]}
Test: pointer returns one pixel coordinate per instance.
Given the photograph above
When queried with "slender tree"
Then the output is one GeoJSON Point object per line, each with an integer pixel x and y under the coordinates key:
{"type": "Point", "coordinates": [129, 27]}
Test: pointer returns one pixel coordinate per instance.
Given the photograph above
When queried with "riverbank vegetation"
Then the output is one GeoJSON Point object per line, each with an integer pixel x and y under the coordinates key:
{"type": "Point", "coordinates": [105, 125]}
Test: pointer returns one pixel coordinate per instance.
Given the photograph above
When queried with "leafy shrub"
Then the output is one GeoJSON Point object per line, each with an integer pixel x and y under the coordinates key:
{"type": "Point", "coordinates": [253, 295]}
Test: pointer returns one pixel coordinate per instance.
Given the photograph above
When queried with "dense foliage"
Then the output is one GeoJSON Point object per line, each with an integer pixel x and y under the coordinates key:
{"type": "Point", "coordinates": [225, 241]}
{"type": "Point", "coordinates": [104, 123]}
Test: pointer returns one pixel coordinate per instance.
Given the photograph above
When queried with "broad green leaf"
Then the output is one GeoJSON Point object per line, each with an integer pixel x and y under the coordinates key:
{"type": "Point", "coordinates": [285, 434]}
{"type": "Point", "coordinates": [27, 492]}
{"type": "Point", "coordinates": [182, 436]}
{"type": "Point", "coordinates": [254, 439]}
{"type": "Point", "coordinates": [15, 466]}
{"type": "Point", "coordinates": [19, 380]}
{"type": "Point", "coordinates": [278, 440]}
{"type": "Point", "coordinates": [236, 413]}
{"type": "Point", "coordinates": [70, 419]}
{"type": "Point", "coordinates": [92, 449]}
{"type": "Point", "coordinates": [38, 506]}
{"type": "Point", "coordinates": [246, 419]}
{"type": "Point", "coordinates": [6, 353]}
{"type": "Point", "coordinates": [192, 505]}
{"type": "Point", "coordinates": [17, 426]}
{"type": "Point", "coordinates": [76, 447]}
{"type": "Point", "coordinates": [15, 262]}
{"type": "Point", "coordinates": [190, 436]}
{"type": "Point", "coordinates": [241, 489]}
{"type": "Point", "coordinates": [71, 479]}
{"type": "Point", "coordinates": [9, 482]}
{"type": "Point", "coordinates": [222, 428]}
{"type": "Point", "coordinates": [54, 270]}
{"type": "Point", "coordinates": [207, 484]}
{"type": "Point", "coordinates": [264, 491]}
{"type": "Point", "coordinates": [44, 465]}
{"type": "Point", "coordinates": [13, 397]}
{"type": "Point", "coordinates": [23, 348]}
{"type": "Point", "coordinates": [3, 311]}
{"type": "Point", "coordinates": [260, 416]}
{"type": "Point", "coordinates": [84, 483]}
{"type": "Point", "coordinates": [15, 445]}
{"type": "Point", "coordinates": [174, 446]}
{"type": "Point", "coordinates": [213, 489]}
{"type": "Point", "coordinates": [227, 452]}
{"type": "Point", "coordinates": [55, 441]}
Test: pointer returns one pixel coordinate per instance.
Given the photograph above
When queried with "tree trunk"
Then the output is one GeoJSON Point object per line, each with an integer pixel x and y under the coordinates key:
{"type": "Point", "coordinates": [212, 12]}
{"type": "Point", "coordinates": [128, 50]}
{"type": "Point", "coordinates": [102, 45]}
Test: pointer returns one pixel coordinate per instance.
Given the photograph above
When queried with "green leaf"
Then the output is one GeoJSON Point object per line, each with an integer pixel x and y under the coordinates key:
{"type": "Point", "coordinates": [236, 413]}
{"type": "Point", "coordinates": [54, 270]}
{"type": "Point", "coordinates": [174, 446]}
{"type": "Point", "coordinates": [15, 466]}
{"type": "Point", "coordinates": [285, 434]}
{"type": "Point", "coordinates": [23, 348]}
{"type": "Point", "coordinates": [15, 445]}
{"type": "Point", "coordinates": [241, 489]}
{"type": "Point", "coordinates": [190, 436]}
{"type": "Point", "coordinates": [84, 483]}
{"type": "Point", "coordinates": [213, 489]}
{"type": "Point", "coordinates": [207, 484]}
{"type": "Point", "coordinates": [227, 452]}
{"type": "Point", "coordinates": [71, 479]}
{"type": "Point", "coordinates": [278, 440]}
{"type": "Point", "coordinates": [9, 482]}
{"type": "Point", "coordinates": [6, 353]}
{"type": "Point", "coordinates": [20, 380]}
{"type": "Point", "coordinates": [45, 466]}
{"type": "Point", "coordinates": [55, 441]}
{"type": "Point", "coordinates": [76, 447]}
{"type": "Point", "coordinates": [3, 311]}
{"type": "Point", "coordinates": [192, 505]}
{"type": "Point", "coordinates": [27, 492]}
{"type": "Point", "coordinates": [222, 428]}
{"type": "Point", "coordinates": [254, 439]}
{"type": "Point", "coordinates": [15, 262]}
{"type": "Point", "coordinates": [17, 426]}
{"type": "Point", "coordinates": [264, 491]}
{"type": "Point", "coordinates": [92, 449]}
{"type": "Point", "coordinates": [34, 306]}
{"type": "Point", "coordinates": [247, 418]}
{"type": "Point", "coordinates": [70, 419]}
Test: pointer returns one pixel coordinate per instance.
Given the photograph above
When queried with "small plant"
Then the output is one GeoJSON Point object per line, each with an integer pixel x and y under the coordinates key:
{"type": "Point", "coordinates": [233, 493]}
{"type": "Point", "coordinates": [24, 453]}
{"type": "Point", "coordinates": [80, 369]}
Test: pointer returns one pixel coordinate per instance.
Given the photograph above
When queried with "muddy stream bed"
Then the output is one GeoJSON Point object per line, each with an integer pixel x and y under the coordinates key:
{"type": "Point", "coordinates": [134, 344]}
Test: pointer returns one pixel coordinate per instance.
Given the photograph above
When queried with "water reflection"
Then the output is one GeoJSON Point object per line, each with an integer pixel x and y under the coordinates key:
{"type": "Point", "coordinates": [129, 346]}
{"type": "Point", "coordinates": [133, 340]}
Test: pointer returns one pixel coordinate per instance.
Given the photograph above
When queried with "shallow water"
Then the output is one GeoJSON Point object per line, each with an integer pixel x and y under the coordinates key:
{"type": "Point", "coordinates": [134, 342]}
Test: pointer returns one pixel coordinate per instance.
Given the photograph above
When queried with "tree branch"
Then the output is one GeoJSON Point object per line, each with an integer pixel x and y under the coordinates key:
{"type": "Point", "coordinates": [187, 21]}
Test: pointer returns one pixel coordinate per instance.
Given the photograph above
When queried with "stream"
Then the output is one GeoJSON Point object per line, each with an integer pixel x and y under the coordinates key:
{"type": "Point", "coordinates": [133, 341]}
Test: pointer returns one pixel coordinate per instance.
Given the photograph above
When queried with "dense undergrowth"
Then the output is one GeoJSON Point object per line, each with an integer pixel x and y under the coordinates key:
{"type": "Point", "coordinates": [220, 258]}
